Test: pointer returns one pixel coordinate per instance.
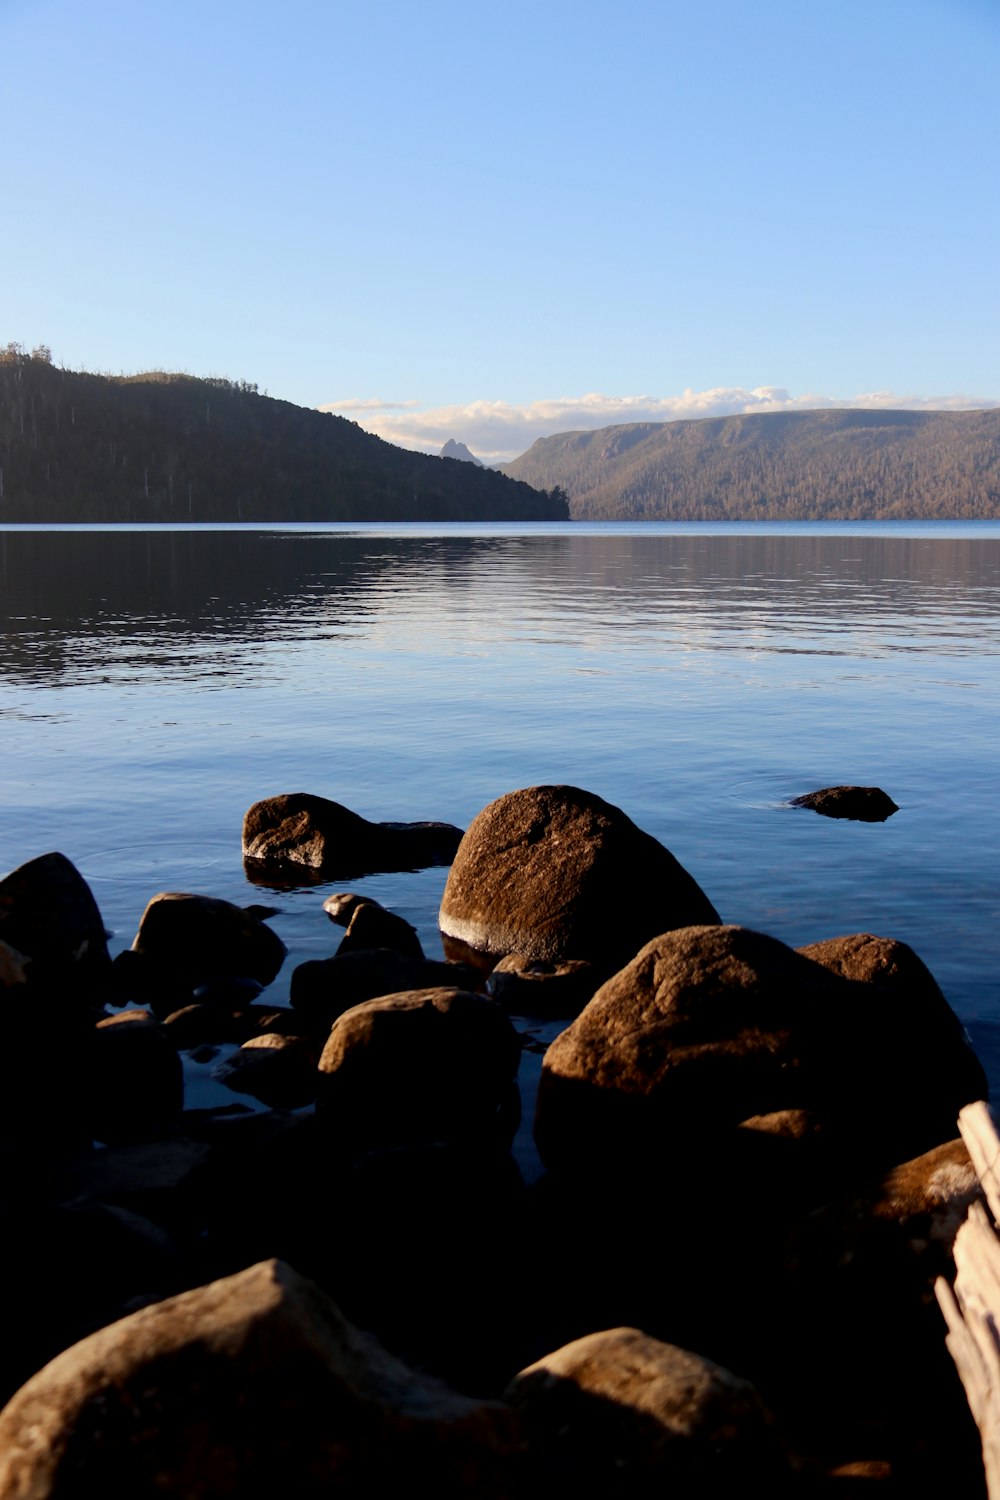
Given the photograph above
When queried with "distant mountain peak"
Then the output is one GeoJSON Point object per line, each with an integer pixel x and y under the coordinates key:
{"type": "Point", "coordinates": [452, 449]}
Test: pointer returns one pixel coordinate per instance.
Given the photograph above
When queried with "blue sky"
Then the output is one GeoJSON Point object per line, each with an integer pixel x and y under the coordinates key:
{"type": "Point", "coordinates": [489, 223]}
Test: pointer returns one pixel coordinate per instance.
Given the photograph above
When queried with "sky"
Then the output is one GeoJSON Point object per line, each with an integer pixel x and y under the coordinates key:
{"type": "Point", "coordinates": [493, 223]}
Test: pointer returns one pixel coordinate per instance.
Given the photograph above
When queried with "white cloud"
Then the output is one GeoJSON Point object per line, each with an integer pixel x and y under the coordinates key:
{"type": "Point", "coordinates": [497, 431]}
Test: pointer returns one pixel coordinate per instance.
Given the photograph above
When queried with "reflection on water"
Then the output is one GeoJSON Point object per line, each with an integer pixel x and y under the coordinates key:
{"type": "Point", "coordinates": [154, 684]}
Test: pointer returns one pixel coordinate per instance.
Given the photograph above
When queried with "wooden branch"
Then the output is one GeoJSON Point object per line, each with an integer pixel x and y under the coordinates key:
{"type": "Point", "coordinates": [972, 1309]}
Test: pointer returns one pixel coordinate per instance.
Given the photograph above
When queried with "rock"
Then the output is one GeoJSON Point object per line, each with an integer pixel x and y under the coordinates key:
{"type": "Point", "coordinates": [426, 1065]}
{"type": "Point", "coordinates": [711, 1027]}
{"type": "Point", "coordinates": [619, 1413]}
{"type": "Point", "coordinates": [371, 926]}
{"type": "Point", "coordinates": [323, 988]}
{"type": "Point", "coordinates": [13, 967]}
{"type": "Point", "coordinates": [301, 829]}
{"type": "Point", "coordinates": [135, 1077]}
{"type": "Point", "coordinates": [50, 919]}
{"type": "Point", "coordinates": [865, 804]}
{"type": "Point", "coordinates": [553, 872]}
{"type": "Point", "coordinates": [278, 1070]}
{"type": "Point", "coordinates": [163, 1181]}
{"type": "Point", "coordinates": [194, 939]}
{"type": "Point", "coordinates": [917, 1062]}
{"type": "Point", "coordinates": [341, 906]}
{"type": "Point", "coordinates": [529, 987]}
{"type": "Point", "coordinates": [253, 1385]}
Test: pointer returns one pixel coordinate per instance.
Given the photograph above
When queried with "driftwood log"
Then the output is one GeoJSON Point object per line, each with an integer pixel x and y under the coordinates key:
{"type": "Point", "coordinates": [972, 1308]}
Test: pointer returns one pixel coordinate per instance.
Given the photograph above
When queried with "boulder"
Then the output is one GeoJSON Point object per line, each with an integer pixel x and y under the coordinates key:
{"type": "Point", "coordinates": [278, 1070]}
{"type": "Point", "coordinates": [194, 939]}
{"type": "Point", "coordinates": [49, 918]}
{"type": "Point", "coordinates": [531, 987]}
{"type": "Point", "coordinates": [252, 1385]}
{"type": "Point", "coordinates": [136, 1083]}
{"type": "Point", "coordinates": [372, 926]}
{"type": "Point", "coordinates": [425, 1065]}
{"type": "Point", "coordinates": [552, 872]}
{"type": "Point", "coordinates": [712, 1031]}
{"type": "Point", "coordinates": [619, 1413]}
{"type": "Point", "coordinates": [864, 804]}
{"type": "Point", "coordinates": [301, 829]}
{"type": "Point", "coordinates": [323, 988]}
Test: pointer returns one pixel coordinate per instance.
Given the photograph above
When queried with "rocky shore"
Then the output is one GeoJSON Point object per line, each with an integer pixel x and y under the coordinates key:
{"type": "Point", "coordinates": [721, 1283]}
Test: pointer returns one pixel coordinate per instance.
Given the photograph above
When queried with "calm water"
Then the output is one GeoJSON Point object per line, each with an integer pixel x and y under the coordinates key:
{"type": "Point", "coordinates": [154, 684]}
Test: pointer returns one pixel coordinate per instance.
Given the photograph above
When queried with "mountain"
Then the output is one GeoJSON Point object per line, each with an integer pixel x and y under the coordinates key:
{"type": "Point", "coordinates": [452, 449]}
{"type": "Point", "coordinates": [162, 447]}
{"type": "Point", "coordinates": [816, 465]}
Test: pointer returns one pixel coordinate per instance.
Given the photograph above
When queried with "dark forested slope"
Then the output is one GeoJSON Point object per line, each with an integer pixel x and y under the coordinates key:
{"type": "Point", "coordinates": [156, 447]}
{"type": "Point", "coordinates": [819, 465]}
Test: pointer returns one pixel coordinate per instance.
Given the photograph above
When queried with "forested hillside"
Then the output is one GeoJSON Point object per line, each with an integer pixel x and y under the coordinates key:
{"type": "Point", "coordinates": [822, 465]}
{"type": "Point", "coordinates": [159, 447]}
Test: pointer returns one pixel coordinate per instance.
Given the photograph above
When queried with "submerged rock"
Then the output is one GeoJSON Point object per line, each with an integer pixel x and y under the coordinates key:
{"type": "Point", "coordinates": [553, 872]}
{"type": "Point", "coordinates": [864, 804]}
{"type": "Point", "coordinates": [299, 828]}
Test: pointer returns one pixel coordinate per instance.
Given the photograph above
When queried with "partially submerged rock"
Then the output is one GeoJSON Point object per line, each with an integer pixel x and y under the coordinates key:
{"type": "Point", "coordinates": [299, 828]}
{"type": "Point", "coordinates": [864, 804]}
{"type": "Point", "coordinates": [253, 1385]}
{"type": "Point", "coordinates": [194, 939]}
{"type": "Point", "coordinates": [532, 987]}
{"type": "Point", "coordinates": [372, 926]}
{"type": "Point", "coordinates": [427, 1065]}
{"type": "Point", "coordinates": [323, 988]}
{"type": "Point", "coordinates": [53, 934]}
{"type": "Point", "coordinates": [553, 872]}
{"type": "Point", "coordinates": [710, 1028]}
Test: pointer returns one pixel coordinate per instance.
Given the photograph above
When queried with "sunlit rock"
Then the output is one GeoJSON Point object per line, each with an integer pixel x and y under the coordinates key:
{"type": "Point", "coordinates": [301, 829]}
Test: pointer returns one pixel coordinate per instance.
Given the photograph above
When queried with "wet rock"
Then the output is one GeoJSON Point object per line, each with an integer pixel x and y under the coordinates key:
{"type": "Point", "coordinates": [299, 828]}
{"type": "Point", "coordinates": [252, 1385]}
{"type": "Point", "coordinates": [49, 917]}
{"type": "Point", "coordinates": [135, 1077]}
{"type": "Point", "coordinates": [552, 872]}
{"type": "Point", "coordinates": [278, 1070]}
{"type": "Point", "coordinates": [372, 926]}
{"type": "Point", "coordinates": [864, 804]}
{"type": "Point", "coordinates": [619, 1413]}
{"type": "Point", "coordinates": [530, 987]}
{"type": "Point", "coordinates": [196, 939]}
{"type": "Point", "coordinates": [426, 1065]}
{"type": "Point", "coordinates": [323, 988]}
{"type": "Point", "coordinates": [710, 1027]}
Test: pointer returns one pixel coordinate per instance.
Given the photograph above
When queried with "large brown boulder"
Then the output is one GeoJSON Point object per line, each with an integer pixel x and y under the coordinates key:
{"type": "Point", "coordinates": [620, 1413]}
{"type": "Point", "coordinates": [255, 1385]}
{"type": "Point", "coordinates": [552, 872]}
{"type": "Point", "coordinates": [425, 1065]}
{"type": "Point", "coordinates": [720, 1037]}
{"type": "Point", "coordinates": [301, 829]}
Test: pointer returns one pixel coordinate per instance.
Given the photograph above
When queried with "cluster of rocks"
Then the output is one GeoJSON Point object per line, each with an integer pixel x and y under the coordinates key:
{"type": "Point", "coordinates": [721, 1282]}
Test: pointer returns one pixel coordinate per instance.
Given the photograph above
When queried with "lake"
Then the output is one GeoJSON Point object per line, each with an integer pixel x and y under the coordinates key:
{"type": "Point", "coordinates": [153, 684]}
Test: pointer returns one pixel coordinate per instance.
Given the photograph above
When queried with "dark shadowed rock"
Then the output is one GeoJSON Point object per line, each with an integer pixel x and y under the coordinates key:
{"type": "Point", "coordinates": [50, 920]}
{"type": "Point", "coordinates": [619, 1413]}
{"type": "Point", "coordinates": [193, 939]}
{"type": "Point", "coordinates": [278, 1070]}
{"type": "Point", "coordinates": [711, 1028]}
{"type": "Point", "coordinates": [372, 926]}
{"type": "Point", "coordinates": [299, 828]}
{"type": "Point", "coordinates": [427, 1065]}
{"type": "Point", "coordinates": [255, 1385]}
{"type": "Point", "coordinates": [864, 804]}
{"type": "Point", "coordinates": [531, 987]}
{"type": "Point", "coordinates": [552, 872]}
{"type": "Point", "coordinates": [136, 1083]}
{"type": "Point", "coordinates": [323, 988]}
